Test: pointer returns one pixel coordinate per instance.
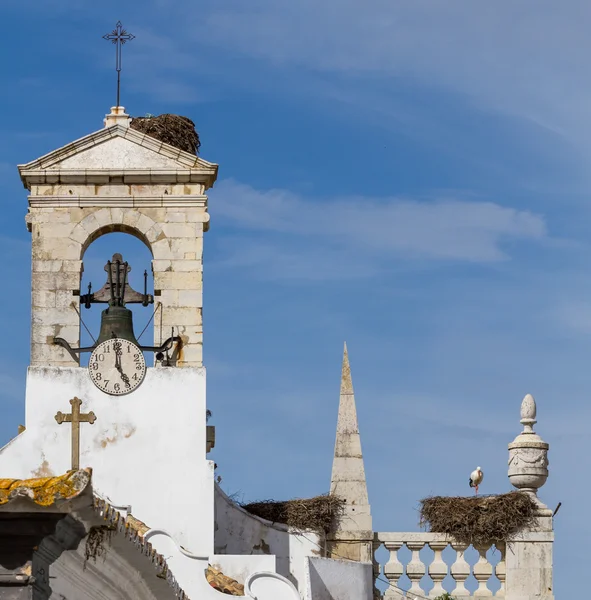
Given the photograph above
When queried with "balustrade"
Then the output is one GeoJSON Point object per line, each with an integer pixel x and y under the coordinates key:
{"type": "Point", "coordinates": [431, 575]}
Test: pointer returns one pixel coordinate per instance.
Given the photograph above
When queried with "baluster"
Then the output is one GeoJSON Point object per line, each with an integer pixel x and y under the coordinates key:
{"type": "Point", "coordinates": [460, 570]}
{"type": "Point", "coordinates": [501, 569]}
{"type": "Point", "coordinates": [482, 572]}
{"type": "Point", "coordinates": [437, 569]}
{"type": "Point", "coordinates": [415, 569]}
{"type": "Point", "coordinates": [376, 567]}
{"type": "Point", "coordinates": [393, 570]}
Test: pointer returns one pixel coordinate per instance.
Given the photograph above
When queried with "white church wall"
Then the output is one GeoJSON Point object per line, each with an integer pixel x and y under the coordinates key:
{"type": "Point", "coordinates": [240, 567]}
{"type": "Point", "coordinates": [260, 583]}
{"type": "Point", "coordinates": [330, 579]}
{"type": "Point", "coordinates": [146, 449]}
{"type": "Point", "coordinates": [239, 532]}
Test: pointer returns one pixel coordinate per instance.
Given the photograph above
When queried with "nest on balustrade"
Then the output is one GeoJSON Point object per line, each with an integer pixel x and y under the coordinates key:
{"type": "Point", "coordinates": [479, 520]}
{"type": "Point", "coordinates": [321, 514]}
{"type": "Point", "coordinates": [174, 130]}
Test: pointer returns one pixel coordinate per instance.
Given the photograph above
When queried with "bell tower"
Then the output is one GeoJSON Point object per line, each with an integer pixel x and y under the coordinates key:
{"type": "Point", "coordinates": [141, 429]}
{"type": "Point", "coordinates": [117, 179]}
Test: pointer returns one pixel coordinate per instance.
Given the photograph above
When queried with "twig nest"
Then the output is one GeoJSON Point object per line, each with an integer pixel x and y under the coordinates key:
{"type": "Point", "coordinates": [320, 514]}
{"type": "Point", "coordinates": [479, 520]}
{"type": "Point", "coordinates": [174, 130]}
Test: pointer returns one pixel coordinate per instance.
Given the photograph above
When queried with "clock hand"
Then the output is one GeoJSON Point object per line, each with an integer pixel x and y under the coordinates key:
{"type": "Point", "coordinates": [118, 351]}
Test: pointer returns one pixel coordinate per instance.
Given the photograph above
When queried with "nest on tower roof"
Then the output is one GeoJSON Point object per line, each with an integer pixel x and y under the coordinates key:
{"type": "Point", "coordinates": [320, 514]}
{"type": "Point", "coordinates": [174, 130]}
{"type": "Point", "coordinates": [479, 519]}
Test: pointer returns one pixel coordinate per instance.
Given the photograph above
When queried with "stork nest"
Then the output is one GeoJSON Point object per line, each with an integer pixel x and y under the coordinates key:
{"type": "Point", "coordinates": [321, 514]}
{"type": "Point", "coordinates": [174, 130]}
{"type": "Point", "coordinates": [478, 520]}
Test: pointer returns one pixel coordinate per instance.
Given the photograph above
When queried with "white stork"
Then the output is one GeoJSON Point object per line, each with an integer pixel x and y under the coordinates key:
{"type": "Point", "coordinates": [476, 479]}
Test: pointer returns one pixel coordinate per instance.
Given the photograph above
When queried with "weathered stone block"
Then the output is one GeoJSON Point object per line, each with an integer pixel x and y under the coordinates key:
{"type": "Point", "coordinates": [161, 265]}
{"type": "Point", "coordinates": [154, 233]}
{"type": "Point", "coordinates": [55, 281]}
{"type": "Point", "coordinates": [48, 265]}
{"type": "Point", "coordinates": [131, 217]}
{"type": "Point", "coordinates": [177, 280]}
{"type": "Point", "coordinates": [90, 224]}
{"type": "Point", "coordinates": [169, 298]}
{"type": "Point", "coordinates": [187, 265]}
{"type": "Point", "coordinates": [176, 217]}
{"type": "Point", "coordinates": [190, 298]}
{"type": "Point", "coordinates": [103, 217]}
{"type": "Point", "coordinates": [161, 249]}
{"type": "Point", "coordinates": [158, 215]}
{"type": "Point", "coordinates": [144, 223]}
{"type": "Point", "coordinates": [180, 316]}
{"type": "Point", "coordinates": [116, 215]}
{"type": "Point", "coordinates": [54, 316]}
{"type": "Point", "coordinates": [191, 355]}
{"type": "Point", "coordinates": [179, 230]}
{"type": "Point", "coordinates": [179, 246]}
{"type": "Point", "coordinates": [43, 298]}
{"type": "Point", "coordinates": [65, 299]}
{"type": "Point", "coordinates": [79, 234]}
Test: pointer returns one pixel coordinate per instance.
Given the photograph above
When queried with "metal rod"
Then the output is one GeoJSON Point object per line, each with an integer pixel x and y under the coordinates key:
{"type": "Point", "coordinates": [118, 295]}
{"type": "Point", "coordinates": [124, 283]}
{"type": "Point", "coordinates": [110, 271]}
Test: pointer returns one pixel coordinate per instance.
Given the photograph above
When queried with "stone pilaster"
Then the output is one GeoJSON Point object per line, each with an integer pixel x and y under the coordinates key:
{"type": "Point", "coordinates": [353, 539]}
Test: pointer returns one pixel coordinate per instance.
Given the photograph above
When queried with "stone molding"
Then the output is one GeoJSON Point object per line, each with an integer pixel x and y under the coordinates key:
{"type": "Point", "coordinates": [163, 201]}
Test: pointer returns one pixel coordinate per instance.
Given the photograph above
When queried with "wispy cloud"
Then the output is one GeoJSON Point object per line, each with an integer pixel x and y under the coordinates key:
{"type": "Point", "coordinates": [452, 46]}
{"type": "Point", "coordinates": [365, 232]}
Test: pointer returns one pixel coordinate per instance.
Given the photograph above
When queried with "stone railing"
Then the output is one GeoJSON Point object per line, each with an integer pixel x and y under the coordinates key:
{"type": "Point", "coordinates": [435, 565]}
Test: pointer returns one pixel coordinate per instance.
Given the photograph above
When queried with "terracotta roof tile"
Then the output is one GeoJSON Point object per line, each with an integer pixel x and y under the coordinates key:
{"type": "Point", "coordinates": [222, 583]}
{"type": "Point", "coordinates": [134, 531]}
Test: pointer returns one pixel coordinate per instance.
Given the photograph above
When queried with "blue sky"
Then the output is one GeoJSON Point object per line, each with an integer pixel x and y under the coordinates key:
{"type": "Point", "coordinates": [408, 176]}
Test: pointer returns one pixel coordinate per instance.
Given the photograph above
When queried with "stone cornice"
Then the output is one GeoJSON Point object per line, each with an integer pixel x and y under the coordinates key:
{"type": "Point", "coordinates": [162, 201]}
{"type": "Point", "coordinates": [31, 177]}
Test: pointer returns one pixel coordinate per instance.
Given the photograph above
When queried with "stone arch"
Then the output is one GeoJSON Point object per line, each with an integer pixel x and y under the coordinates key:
{"type": "Point", "coordinates": [110, 220]}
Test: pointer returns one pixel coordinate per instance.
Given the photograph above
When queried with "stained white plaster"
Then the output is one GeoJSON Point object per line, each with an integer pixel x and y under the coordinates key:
{"type": "Point", "coordinates": [189, 571]}
{"type": "Point", "coordinates": [241, 566]}
{"type": "Point", "coordinates": [239, 532]}
{"type": "Point", "coordinates": [146, 449]}
{"type": "Point", "coordinates": [329, 579]}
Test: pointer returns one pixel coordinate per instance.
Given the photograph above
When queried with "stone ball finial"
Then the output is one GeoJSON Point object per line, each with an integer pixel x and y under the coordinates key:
{"type": "Point", "coordinates": [528, 453]}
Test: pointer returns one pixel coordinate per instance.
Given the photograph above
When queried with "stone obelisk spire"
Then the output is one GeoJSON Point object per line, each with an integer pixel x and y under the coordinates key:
{"type": "Point", "coordinates": [353, 538]}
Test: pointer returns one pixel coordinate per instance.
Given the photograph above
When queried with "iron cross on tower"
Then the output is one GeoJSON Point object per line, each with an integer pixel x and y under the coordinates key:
{"type": "Point", "coordinates": [75, 417]}
{"type": "Point", "coordinates": [118, 36]}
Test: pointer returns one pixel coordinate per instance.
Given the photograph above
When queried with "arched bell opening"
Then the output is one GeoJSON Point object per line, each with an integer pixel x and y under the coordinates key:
{"type": "Point", "coordinates": [117, 291]}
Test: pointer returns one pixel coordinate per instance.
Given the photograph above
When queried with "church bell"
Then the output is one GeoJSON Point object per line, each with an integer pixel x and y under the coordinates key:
{"type": "Point", "coordinates": [117, 321]}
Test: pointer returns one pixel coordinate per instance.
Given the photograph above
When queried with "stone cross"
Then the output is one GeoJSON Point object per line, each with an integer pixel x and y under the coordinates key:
{"type": "Point", "coordinates": [75, 417]}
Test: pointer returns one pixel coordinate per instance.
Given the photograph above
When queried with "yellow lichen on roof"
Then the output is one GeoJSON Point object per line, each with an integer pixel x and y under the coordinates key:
{"type": "Point", "coordinates": [45, 491]}
{"type": "Point", "coordinates": [222, 583]}
{"type": "Point", "coordinates": [136, 525]}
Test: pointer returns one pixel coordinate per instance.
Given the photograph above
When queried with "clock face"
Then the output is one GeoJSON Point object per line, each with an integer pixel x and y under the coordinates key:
{"type": "Point", "coordinates": [117, 367]}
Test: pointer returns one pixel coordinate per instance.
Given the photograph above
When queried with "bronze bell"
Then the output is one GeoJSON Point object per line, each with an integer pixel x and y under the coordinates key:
{"type": "Point", "coordinates": [117, 321]}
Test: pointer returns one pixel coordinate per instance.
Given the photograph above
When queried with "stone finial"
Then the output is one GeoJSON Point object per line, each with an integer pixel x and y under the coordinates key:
{"type": "Point", "coordinates": [528, 453]}
{"type": "Point", "coordinates": [528, 413]}
{"type": "Point", "coordinates": [117, 116]}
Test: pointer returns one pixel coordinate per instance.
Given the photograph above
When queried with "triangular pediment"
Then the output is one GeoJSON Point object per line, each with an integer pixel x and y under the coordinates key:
{"type": "Point", "coordinates": [118, 148]}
